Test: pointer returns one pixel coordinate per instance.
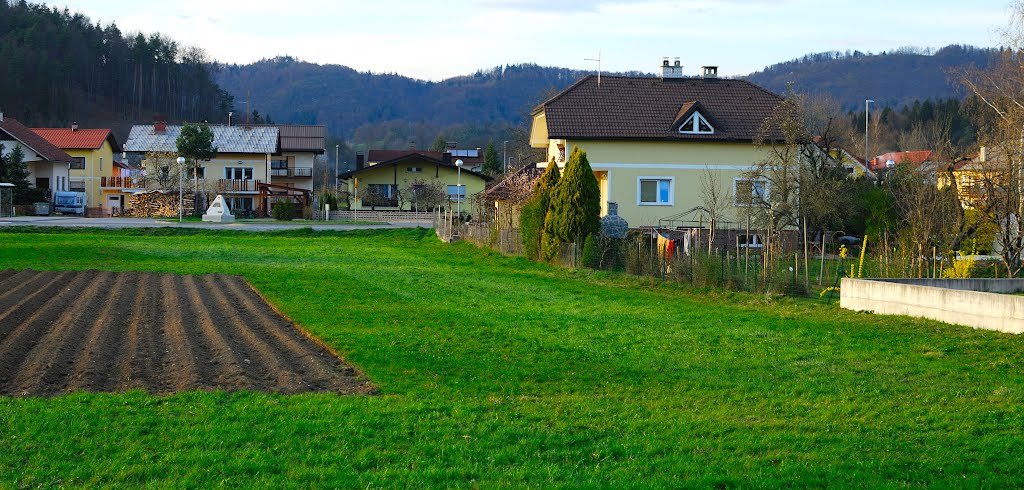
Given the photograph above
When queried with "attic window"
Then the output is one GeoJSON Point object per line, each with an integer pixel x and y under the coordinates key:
{"type": "Point", "coordinates": [696, 124]}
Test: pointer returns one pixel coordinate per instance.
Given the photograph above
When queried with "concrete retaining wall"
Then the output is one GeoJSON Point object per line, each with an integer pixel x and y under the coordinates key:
{"type": "Point", "coordinates": [945, 300]}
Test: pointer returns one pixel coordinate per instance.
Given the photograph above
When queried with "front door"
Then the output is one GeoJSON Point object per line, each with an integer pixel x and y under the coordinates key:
{"type": "Point", "coordinates": [114, 204]}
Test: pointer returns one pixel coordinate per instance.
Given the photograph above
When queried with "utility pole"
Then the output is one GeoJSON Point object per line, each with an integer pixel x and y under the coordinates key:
{"type": "Point", "coordinates": [336, 183]}
{"type": "Point", "coordinates": [867, 117]}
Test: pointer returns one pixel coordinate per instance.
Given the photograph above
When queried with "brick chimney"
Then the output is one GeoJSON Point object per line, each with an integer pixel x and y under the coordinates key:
{"type": "Point", "coordinates": [160, 127]}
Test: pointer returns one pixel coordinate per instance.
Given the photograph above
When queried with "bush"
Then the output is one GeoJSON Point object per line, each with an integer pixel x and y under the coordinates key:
{"type": "Point", "coordinates": [283, 210]}
{"type": "Point", "coordinates": [591, 253]}
{"type": "Point", "coordinates": [531, 217]}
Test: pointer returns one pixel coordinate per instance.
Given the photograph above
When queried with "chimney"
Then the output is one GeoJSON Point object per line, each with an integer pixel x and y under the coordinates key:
{"type": "Point", "coordinates": [710, 72]}
{"type": "Point", "coordinates": [360, 161]}
{"type": "Point", "coordinates": [451, 145]}
{"type": "Point", "coordinates": [671, 70]}
{"type": "Point", "coordinates": [159, 126]}
{"type": "Point", "coordinates": [74, 126]}
{"type": "Point", "coordinates": [446, 158]}
{"type": "Point", "coordinates": [981, 156]}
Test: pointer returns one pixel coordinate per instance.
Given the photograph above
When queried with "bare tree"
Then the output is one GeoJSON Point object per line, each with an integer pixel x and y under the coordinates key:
{"type": "Point", "coordinates": [715, 199]}
{"type": "Point", "coordinates": [425, 194]}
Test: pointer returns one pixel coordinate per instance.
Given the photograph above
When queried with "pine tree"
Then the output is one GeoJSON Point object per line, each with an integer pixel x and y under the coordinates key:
{"type": "Point", "coordinates": [575, 208]}
{"type": "Point", "coordinates": [531, 217]}
{"type": "Point", "coordinates": [13, 170]}
{"type": "Point", "coordinates": [492, 163]}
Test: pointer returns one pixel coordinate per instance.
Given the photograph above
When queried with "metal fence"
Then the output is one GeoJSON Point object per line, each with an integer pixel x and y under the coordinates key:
{"type": "Point", "coordinates": [386, 216]}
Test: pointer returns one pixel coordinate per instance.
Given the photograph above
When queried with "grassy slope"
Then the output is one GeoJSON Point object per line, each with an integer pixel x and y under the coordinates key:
{"type": "Point", "coordinates": [497, 371]}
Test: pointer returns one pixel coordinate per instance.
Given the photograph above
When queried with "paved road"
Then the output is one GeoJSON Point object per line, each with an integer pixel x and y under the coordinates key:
{"type": "Point", "coordinates": [254, 225]}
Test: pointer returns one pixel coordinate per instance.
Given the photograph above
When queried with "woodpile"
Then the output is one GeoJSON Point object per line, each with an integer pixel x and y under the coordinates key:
{"type": "Point", "coordinates": [158, 204]}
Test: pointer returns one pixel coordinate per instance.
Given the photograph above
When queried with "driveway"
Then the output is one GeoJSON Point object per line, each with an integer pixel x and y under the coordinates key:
{"type": "Point", "coordinates": [246, 225]}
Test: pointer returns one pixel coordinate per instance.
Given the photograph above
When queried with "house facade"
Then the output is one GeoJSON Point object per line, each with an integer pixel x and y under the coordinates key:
{"type": "Point", "coordinates": [652, 141]}
{"type": "Point", "coordinates": [386, 184]}
{"type": "Point", "coordinates": [48, 166]}
{"type": "Point", "coordinates": [95, 168]}
{"type": "Point", "coordinates": [255, 165]}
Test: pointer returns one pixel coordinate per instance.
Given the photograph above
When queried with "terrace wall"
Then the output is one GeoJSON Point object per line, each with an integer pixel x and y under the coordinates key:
{"type": "Point", "coordinates": [971, 302]}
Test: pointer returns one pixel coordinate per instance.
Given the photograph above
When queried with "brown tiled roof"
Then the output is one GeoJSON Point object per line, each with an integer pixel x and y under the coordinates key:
{"type": "Point", "coordinates": [78, 139]}
{"type": "Point", "coordinates": [32, 140]}
{"type": "Point", "coordinates": [385, 155]}
{"type": "Point", "coordinates": [651, 108]}
{"type": "Point", "coordinates": [413, 155]}
{"type": "Point", "coordinates": [302, 138]}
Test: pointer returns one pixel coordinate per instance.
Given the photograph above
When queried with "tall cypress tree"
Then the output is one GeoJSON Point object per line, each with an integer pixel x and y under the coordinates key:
{"type": "Point", "coordinates": [531, 217]}
{"type": "Point", "coordinates": [575, 208]}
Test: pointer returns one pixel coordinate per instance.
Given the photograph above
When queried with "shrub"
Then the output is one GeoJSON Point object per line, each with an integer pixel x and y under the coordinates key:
{"type": "Point", "coordinates": [591, 253]}
{"type": "Point", "coordinates": [531, 217]}
{"type": "Point", "coordinates": [283, 210]}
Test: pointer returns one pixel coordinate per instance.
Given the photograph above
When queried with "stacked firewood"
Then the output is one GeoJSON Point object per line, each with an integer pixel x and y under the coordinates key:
{"type": "Point", "coordinates": [158, 204]}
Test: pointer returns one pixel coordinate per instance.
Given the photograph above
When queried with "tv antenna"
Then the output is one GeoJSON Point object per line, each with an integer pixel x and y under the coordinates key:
{"type": "Point", "coordinates": [598, 60]}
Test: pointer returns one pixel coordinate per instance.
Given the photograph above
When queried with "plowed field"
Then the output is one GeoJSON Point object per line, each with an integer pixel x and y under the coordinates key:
{"type": "Point", "coordinates": [62, 332]}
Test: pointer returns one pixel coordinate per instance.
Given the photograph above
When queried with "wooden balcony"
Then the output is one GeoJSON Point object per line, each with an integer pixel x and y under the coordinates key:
{"type": "Point", "coordinates": [291, 172]}
{"type": "Point", "coordinates": [237, 185]}
{"type": "Point", "coordinates": [120, 182]}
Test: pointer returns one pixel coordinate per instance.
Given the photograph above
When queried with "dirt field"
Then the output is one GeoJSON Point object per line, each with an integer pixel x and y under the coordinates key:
{"type": "Point", "coordinates": [62, 332]}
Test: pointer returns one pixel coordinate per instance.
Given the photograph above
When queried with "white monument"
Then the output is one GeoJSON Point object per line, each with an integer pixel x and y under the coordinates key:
{"type": "Point", "coordinates": [218, 212]}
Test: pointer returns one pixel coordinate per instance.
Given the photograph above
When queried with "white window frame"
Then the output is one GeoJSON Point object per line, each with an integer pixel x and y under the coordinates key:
{"type": "Point", "coordinates": [414, 169]}
{"type": "Point", "coordinates": [735, 194]}
{"type": "Point", "coordinates": [671, 190]}
{"type": "Point", "coordinates": [251, 171]}
{"type": "Point", "coordinates": [692, 125]}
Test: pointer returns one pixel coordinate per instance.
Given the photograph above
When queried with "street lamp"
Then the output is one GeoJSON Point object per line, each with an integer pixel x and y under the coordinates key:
{"type": "Point", "coordinates": [181, 184]}
{"type": "Point", "coordinates": [458, 187]}
{"type": "Point", "coordinates": [867, 113]}
{"type": "Point", "coordinates": [504, 155]}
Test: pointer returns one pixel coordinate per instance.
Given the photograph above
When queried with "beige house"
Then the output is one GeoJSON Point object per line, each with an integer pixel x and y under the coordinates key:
{"type": "Point", "coordinates": [48, 166]}
{"type": "Point", "coordinates": [255, 165]}
{"type": "Point", "coordinates": [385, 184]}
{"type": "Point", "coordinates": [650, 140]}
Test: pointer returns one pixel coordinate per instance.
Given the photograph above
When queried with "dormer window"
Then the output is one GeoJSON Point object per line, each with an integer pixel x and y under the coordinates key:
{"type": "Point", "coordinates": [696, 124]}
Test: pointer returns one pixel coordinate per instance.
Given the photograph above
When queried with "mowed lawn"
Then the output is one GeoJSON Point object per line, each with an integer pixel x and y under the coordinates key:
{"type": "Point", "coordinates": [495, 371]}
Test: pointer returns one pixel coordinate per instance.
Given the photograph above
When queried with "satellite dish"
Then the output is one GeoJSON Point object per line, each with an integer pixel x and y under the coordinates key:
{"type": "Point", "coordinates": [890, 164]}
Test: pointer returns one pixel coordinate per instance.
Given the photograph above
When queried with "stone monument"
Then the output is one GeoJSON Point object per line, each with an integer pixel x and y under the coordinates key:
{"type": "Point", "coordinates": [218, 211]}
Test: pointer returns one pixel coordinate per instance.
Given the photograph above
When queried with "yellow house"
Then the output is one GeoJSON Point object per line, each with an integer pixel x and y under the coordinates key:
{"type": "Point", "coordinates": [93, 152]}
{"type": "Point", "coordinates": [652, 141]}
{"type": "Point", "coordinates": [976, 179]}
{"type": "Point", "coordinates": [387, 184]}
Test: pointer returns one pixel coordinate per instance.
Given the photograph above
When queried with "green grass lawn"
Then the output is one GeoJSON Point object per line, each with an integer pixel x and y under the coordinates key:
{"type": "Point", "coordinates": [495, 371]}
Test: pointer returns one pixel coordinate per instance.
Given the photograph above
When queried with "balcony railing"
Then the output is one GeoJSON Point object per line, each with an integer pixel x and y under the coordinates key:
{"type": "Point", "coordinates": [237, 185]}
{"type": "Point", "coordinates": [118, 182]}
{"type": "Point", "coordinates": [291, 172]}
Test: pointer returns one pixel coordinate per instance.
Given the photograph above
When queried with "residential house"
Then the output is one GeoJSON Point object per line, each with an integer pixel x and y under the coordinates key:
{"type": "Point", "coordinates": [885, 162]}
{"type": "Point", "coordinates": [978, 179]}
{"type": "Point", "coordinates": [95, 168]}
{"type": "Point", "coordinates": [256, 165]}
{"type": "Point", "coordinates": [649, 140]}
{"type": "Point", "coordinates": [48, 166]}
{"type": "Point", "coordinates": [379, 183]}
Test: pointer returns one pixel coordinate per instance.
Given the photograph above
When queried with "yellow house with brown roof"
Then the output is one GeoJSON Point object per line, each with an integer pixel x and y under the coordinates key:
{"type": "Point", "coordinates": [93, 167]}
{"type": "Point", "coordinates": [650, 140]}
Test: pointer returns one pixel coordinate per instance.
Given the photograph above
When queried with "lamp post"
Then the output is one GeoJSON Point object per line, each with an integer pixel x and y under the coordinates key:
{"type": "Point", "coordinates": [504, 156]}
{"type": "Point", "coordinates": [181, 185]}
{"type": "Point", "coordinates": [867, 117]}
{"type": "Point", "coordinates": [336, 184]}
{"type": "Point", "coordinates": [458, 186]}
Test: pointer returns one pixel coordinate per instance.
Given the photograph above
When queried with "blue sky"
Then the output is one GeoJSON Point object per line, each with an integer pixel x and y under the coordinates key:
{"type": "Point", "coordinates": [441, 39]}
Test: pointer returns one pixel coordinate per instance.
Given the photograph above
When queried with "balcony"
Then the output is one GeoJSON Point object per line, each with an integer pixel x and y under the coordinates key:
{"type": "Point", "coordinates": [119, 182]}
{"type": "Point", "coordinates": [237, 185]}
{"type": "Point", "coordinates": [291, 172]}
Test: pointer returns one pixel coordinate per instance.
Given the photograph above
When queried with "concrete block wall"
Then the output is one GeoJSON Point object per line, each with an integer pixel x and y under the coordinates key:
{"type": "Point", "coordinates": [945, 300]}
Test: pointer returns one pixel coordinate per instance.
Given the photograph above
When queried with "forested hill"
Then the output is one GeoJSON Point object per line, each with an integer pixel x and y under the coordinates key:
{"type": "Point", "coordinates": [352, 103]}
{"type": "Point", "coordinates": [59, 67]}
{"type": "Point", "coordinates": [894, 79]}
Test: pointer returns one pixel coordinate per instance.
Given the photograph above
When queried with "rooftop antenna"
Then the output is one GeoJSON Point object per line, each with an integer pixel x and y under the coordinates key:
{"type": "Point", "coordinates": [598, 60]}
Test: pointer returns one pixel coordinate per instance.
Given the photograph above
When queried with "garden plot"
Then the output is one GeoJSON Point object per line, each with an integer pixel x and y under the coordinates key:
{"type": "Point", "coordinates": [62, 332]}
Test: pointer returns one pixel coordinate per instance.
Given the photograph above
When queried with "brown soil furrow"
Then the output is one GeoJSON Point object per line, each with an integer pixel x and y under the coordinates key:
{"type": "Point", "coordinates": [275, 367]}
{"type": "Point", "coordinates": [143, 370]}
{"type": "Point", "coordinates": [25, 280]}
{"type": "Point", "coordinates": [96, 363]}
{"type": "Point", "coordinates": [48, 363]}
{"type": "Point", "coordinates": [4, 274]}
{"type": "Point", "coordinates": [226, 362]}
{"type": "Point", "coordinates": [29, 324]}
{"type": "Point", "coordinates": [25, 297]}
{"type": "Point", "coordinates": [181, 364]}
{"type": "Point", "coordinates": [321, 367]}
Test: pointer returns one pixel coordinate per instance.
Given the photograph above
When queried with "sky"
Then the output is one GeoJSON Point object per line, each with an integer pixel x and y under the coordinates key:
{"type": "Point", "coordinates": [434, 40]}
